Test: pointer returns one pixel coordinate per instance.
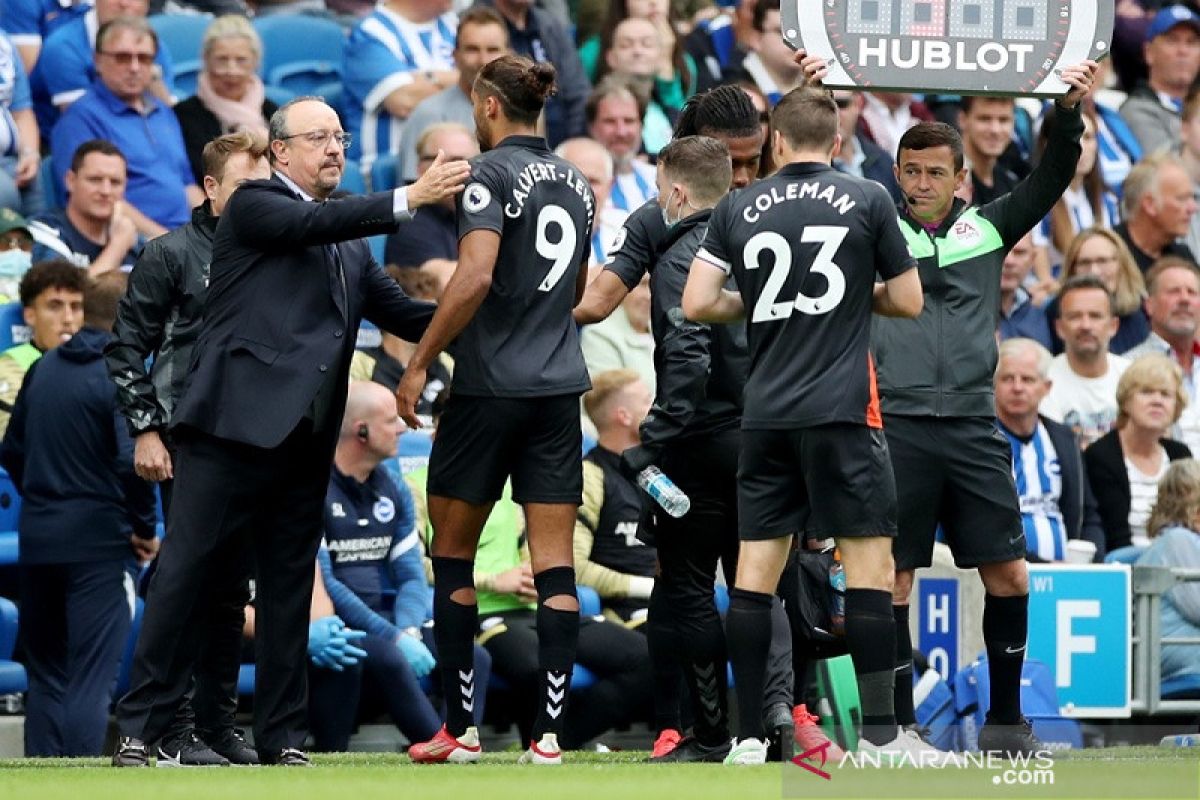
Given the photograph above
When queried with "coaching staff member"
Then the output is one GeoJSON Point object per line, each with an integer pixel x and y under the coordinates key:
{"type": "Point", "coordinates": [952, 466]}
{"type": "Point", "coordinates": [256, 426]}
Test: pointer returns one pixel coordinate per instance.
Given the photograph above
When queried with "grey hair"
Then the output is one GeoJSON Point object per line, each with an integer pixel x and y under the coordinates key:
{"type": "Point", "coordinates": [277, 129]}
{"type": "Point", "coordinates": [1144, 179]}
{"type": "Point", "coordinates": [1018, 345]}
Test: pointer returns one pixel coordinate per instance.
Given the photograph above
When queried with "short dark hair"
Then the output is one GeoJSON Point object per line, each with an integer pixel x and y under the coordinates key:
{"type": "Point", "coordinates": [101, 146]}
{"type": "Point", "coordinates": [56, 274]}
{"type": "Point", "coordinates": [137, 25]}
{"type": "Point", "coordinates": [1165, 263]}
{"type": "Point", "coordinates": [760, 12]}
{"type": "Point", "coordinates": [480, 15]}
{"type": "Point", "coordinates": [807, 118]}
{"type": "Point", "coordinates": [101, 297]}
{"type": "Point", "coordinates": [968, 101]}
{"type": "Point", "coordinates": [613, 85]}
{"type": "Point", "coordinates": [701, 163]}
{"type": "Point", "coordinates": [521, 85]}
{"type": "Point", "coordinates": [926, 135]}
{"type": "Point", "coordinates": [217, 152]}
{"type": "Point", "coordinates": [721, 111]}
{"type": "Point", "coordinates": [1077, 283]}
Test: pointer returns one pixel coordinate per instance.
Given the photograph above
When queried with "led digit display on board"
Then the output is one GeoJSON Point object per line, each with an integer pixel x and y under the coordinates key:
{"type": "Point", "coordinates": [1007, 47]}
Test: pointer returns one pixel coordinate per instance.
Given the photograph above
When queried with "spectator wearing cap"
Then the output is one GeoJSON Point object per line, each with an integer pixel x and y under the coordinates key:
{"type": "Point", "coordinates": [16, 244]}
{"type": "Point", "coordinates": [121, 108]}
{"type": "Point", "coordinates": [52, 307]}
{"type": "Point", "coordinates": [1154, 109]}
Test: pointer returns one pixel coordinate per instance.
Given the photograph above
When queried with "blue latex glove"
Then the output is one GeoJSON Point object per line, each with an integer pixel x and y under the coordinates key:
{"type": "Point", "coordinates": [329, 644]}
{"type": "Point", "coordinates": [416, 654]}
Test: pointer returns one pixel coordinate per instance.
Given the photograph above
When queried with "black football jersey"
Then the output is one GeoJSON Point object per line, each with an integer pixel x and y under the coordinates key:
{"type": "Point", "coordinates": [522, 342]}
{"type": "Point", "coordinates": [638, 242]}
{"type": "Point", "coordinates": [805, 246]}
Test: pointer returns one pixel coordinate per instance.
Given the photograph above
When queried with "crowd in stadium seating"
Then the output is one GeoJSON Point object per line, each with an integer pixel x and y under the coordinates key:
{"type": "Point", "coordinates": [104, 111]}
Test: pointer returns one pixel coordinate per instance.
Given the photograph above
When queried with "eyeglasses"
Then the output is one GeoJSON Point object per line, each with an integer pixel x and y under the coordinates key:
{"type": "Point", "coordinates": [15, 241]}
{"type": "Point", "coordinates": [321, 138]}
{"type": "Point", "coordinates": [126, 58]}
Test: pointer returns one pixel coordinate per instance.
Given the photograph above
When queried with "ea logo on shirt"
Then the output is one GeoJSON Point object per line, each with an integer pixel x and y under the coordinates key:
{"type": "Point", "coordinates": [476, 198]}
{"type": "Point", "coordinates": [966, 233]}
{"type": "Point", "coordinates": [384, 509]}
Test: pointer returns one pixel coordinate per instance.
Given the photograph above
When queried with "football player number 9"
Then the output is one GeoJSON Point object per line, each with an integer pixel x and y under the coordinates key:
{"type": "Point", "coordinates": [769, 307]}
{"type": "Point", "coordinates": [559, 253]}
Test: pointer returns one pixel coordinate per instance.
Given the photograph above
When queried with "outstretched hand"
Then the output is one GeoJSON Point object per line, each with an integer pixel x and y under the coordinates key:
{"type": "Point", "coordinates": [1081, 78]}
{"type": "Point", "coordinates": [443, 179]}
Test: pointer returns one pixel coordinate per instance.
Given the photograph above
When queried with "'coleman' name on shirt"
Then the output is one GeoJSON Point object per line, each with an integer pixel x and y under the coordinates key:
{"type": "Point", "coordinates": [810, 190]}
{"type": "Point", "coordinates": [545, 171]}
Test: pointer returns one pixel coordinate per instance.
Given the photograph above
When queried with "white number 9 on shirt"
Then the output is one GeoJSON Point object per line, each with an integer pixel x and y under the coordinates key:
{"type": "Point", "coordinates": [559, 253]}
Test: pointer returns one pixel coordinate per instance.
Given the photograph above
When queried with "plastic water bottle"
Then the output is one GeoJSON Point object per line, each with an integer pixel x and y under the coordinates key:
{"type": "Point", "coordinates": [664, 491]}
{"type": "Point", "coordinates": [837, 609]}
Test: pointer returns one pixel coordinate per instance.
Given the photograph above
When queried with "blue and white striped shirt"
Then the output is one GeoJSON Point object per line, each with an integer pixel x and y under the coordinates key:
{"type": "Point", "coordinates": [1038, 476]}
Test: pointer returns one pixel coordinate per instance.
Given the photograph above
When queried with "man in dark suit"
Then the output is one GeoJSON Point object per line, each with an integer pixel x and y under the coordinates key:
{"type": "Point", "coordinates": [256, 426]}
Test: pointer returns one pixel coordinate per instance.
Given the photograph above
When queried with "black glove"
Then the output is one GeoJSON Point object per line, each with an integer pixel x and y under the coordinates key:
{"type": "Point", "coordinates": [637, 458]}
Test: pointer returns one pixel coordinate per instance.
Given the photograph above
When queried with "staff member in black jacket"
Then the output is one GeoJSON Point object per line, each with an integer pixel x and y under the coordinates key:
{"type": "Point", "coordinates": [160, 316]}
{"type": "Point", "coordinates": [255, 429]}
{"type": "Point", "coordinates": [83, 508]}
{"type": "Point", "coordinates": [1057, 503]}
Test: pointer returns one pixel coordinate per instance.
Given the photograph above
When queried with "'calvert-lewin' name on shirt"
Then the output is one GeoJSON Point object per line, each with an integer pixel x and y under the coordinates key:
{"type": "Point", "coordinates": [809, 190]}
{"type": "Point", "coordinates": [546, 171]}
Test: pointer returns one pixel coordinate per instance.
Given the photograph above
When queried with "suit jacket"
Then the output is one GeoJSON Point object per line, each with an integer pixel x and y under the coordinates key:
{"type": "Point", "coordinates": [1081, 514]}
{"type": "Point", "coordinates": [277, 321]}
{"type": "Point", "coordinates": [1110, 483]}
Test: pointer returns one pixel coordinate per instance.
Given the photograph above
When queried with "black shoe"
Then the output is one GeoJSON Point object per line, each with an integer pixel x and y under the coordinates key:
{"type": "Point", "coordinates": [287, 757]}
{"type": "Point", "coordinates": [131, 752]}
{"type": "Point", "coordinates": [232, 745]}
{"type": "Point", "coordinates": [691, 751]}
{"type": "Point", "coordinates": [188, 751]}
{"type": "Point", "coordinates": [1011, 740]}
{"type": "Point", "coordinates": [781, 733]}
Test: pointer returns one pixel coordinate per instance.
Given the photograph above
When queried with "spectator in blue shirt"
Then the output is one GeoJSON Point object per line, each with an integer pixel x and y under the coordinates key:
{"type": "Point", "coordinates": [19, 156]}
{"type": "Point", "coordinates": [29, 22]}
{"type": "Point", "coordinates": [120, 108]}
{"type": "Point", "coordinates": [65, 68]}
{"type": "Point", "coordinates": [372, 556]}
{"type": "Point", "coordinates": [1020, 314]}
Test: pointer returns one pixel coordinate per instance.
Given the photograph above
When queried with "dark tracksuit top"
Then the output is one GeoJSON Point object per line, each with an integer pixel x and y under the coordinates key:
{"type": "Point", "coordinates": [941, 362]}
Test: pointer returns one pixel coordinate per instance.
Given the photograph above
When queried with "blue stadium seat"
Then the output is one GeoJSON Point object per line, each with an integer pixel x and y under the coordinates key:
{"type": "Point", "coordinates": [1181, 687]}
{"type": "Point", "coordinates": [385, 171]}
{"type": "Point", "coordinates": [13, 329]}
{"type": "Point", "coordinates": [290, 42]}
{"type": "Point", "coordinates": [12, 674]}
{"type": "Point", "coordinates": [10, 503]}
{"type": "Point", "coordinates": [352, 178]}
{"type": "Point", "coordinates": [334, 94]}
{"type": "Point", "coordinates": [245, 680]}
{"type": "Point", "coordinates": [180, 34]}
{"type": "Point", "coordinates": [54, 195]}
{"type": "Point", "coordinates": [10, 548]}
{"type": "Point", "coordinates": [1124, 555]}
{"type": "Point", "coordinates": [278, 94]}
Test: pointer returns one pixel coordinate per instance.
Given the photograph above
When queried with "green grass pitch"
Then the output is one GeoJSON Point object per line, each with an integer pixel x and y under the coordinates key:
{"type": "Point", "coordinates": [1145, 772]}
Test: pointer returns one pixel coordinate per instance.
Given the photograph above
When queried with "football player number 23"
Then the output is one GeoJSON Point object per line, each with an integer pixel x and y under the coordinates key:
{"type": "Point", "coordinates": [769, 307]}
{"type": "Point", "coordinates": [559, 253]}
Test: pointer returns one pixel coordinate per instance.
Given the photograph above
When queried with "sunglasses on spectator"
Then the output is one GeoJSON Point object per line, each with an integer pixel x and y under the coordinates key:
{"type": "Point", "coordinates": [126, 58]}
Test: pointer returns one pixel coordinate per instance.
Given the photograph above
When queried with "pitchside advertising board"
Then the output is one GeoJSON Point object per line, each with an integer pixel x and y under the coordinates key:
{"type": "Point", "coordinates": [1079, 626]}
{"type": "Point", "coordinates": [1003, 47]}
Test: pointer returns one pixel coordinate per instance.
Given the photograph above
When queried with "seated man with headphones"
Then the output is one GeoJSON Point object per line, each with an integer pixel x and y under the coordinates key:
{"type": "Point", "coordinates": [370, 555]}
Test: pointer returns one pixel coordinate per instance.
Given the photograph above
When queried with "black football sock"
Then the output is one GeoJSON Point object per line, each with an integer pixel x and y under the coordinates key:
{"type": "Point", "coordinates": [748, 634]}
{"type": "Point", "coordinates": [871, 638]}
{"type": "Point", "coordinates": [905, 713]}
{"type": "Point", "coordinates": [558, 636]}
{"type": "Point", "coordinates": [1005, 629]}
{"type": "Point", "coordinates": [454, 635]}
{"type": "Point", "coordinates": [704, 660]}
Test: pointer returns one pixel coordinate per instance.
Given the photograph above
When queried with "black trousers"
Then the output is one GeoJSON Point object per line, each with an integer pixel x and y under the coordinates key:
{"type": "Point", "coordinates": [228, 494]}
{"type": "Point", "coordinates": [705, 468]}
{"type": "Point", "coordinates": [210, 705]}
